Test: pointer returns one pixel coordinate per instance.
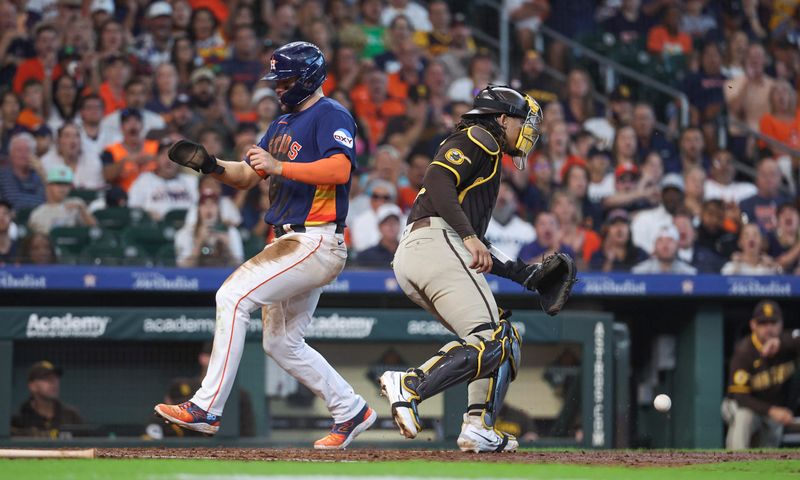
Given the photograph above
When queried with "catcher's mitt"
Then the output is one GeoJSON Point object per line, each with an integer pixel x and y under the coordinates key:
{"type": "Point", "coordinates": [553, 279]}
{"type": "Point", "coordinates": [193, 155]}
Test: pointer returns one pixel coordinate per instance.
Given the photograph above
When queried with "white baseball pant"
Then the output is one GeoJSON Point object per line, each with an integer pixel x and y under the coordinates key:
{"type": "Point", "coordinates": [287, 279]}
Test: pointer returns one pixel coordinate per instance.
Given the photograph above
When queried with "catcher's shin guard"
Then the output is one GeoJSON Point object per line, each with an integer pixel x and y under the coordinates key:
{"type": "Point", "coordinates": [502, 376]}
{"type": "Point", "coordinates": [458, 362]}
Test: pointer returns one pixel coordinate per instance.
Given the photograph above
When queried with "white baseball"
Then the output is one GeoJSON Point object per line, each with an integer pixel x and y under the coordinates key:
{"type": "Point", "coordinates": [662, 403]}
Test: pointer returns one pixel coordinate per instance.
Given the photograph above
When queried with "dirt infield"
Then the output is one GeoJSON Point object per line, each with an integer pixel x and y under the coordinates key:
{"type": "Point", "coordinates": [579, 457]}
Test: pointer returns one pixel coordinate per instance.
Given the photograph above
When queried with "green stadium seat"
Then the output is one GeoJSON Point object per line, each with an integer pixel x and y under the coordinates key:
{"type": "Point", "coordinates": [22, 215]}
{"type": "Point", "coordinates": [165, 257]}
{"type": "Point", "coordinates": [147, 239]}
{"type": "Point", "coordinates": [87, 196]}
{"type": "Point", "coordinates": [103, 254]}
{"type": "Point", "coordinates": [69, 240]}
{"type": "Point", "coordinates": [175, 218]}
{"type": "Point", "coordinates": [114, 218]}
{"type": "Point", "coordinates": [253, 246]}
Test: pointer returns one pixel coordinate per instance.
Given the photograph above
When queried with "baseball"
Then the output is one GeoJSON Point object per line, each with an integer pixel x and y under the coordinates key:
{"type": "Point", "coordinates": [662, 403]}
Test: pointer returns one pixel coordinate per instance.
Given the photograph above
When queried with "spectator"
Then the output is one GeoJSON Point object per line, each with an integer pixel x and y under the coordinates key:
{"type": "Point", "coordinates": [374, 104]}
{"type": "Point", "coordinates": [244, 64]}
{"type": "Point", "coordinates": [720, 184]}
{"type": "Point", "coordinates": [153, 47]}
{"type": "Point", "coordinates": [135, 100]}
{"type": "Point", "coordinates": [436, 41]}
{"type": "Point", "coordinates": [382, 254]}
{"type": "Point", "coordinates": [653, 169]}
{"type": "Point", "coordinates": [624, 148]}
{"type": "Point", "coordinates": [695, 21]}
{"type": "Point", "coordinates": [462, 47]}
{"type": "Point", "coordinates": [735, 53]}
{"type": "Point", "coordinates": [182, 120]}
{"type": "Point", "coordinates": [241, 103]}
{"type": "Point", "coordinates": [228, 211]}
{"type": "Point", "coordinates": [32, 115]}
{"type": "Point", "coordinates": [58, 210]}
{"type": "Point", "coordinates": [694, 180]}
{"type": "Point", "coordinates": [481, 73]}
{"type": "Point", "coordinates": [782, 122]}
{"type": "Point", "coordinates": [506, 230]}
{"type": "Point", "coordinates": [204, 33]}
{"type": "Point", "coordinates": [601, 176]}
{"type": "Point", "coordinates": [762, 207]}
{"type": "Point", "coordinates": [632, 191]}
{"type": "Point", "coordinates": [15, 46]}
{"type": "Point", "coordinates": [124, 161]}
{"type": "Point", "coordinates": [371, 27]}
{"type": "Point", "coordinates": [690, 152]}
{"type": "Point", "coordinates": [21, 179]}
{"type": "Point", "coordinates": [8, 242]}
{"type": "Point", "coordinates": [578, 103]}
{"type": "Point", "coordinates": [165, 90]}
{"type": "Point", "coordinates": [184, 57]}
{"type": "Point", "coordinates": [784, 243]}
{"type": "Point", "coordinates": [750, 259]}
{"type": "Point", "coordinates": [704, 88]}
{"type": "Point", "coordinates": [687, 236]}
{"type": "Point", "coordinates": [664, 258]}
{"type": "Point", "coordinates": [46, 45]}
{"type": "Point", "coordinates": [534, 81]}
{"type": "Point", "coordinates": [761, 372]}
{"type": "Point", "coordinates": [666, 40]}
{"type": "Point", "coordinates": [267, 106]}
{"type": "Point", "coordinates": [10, 107]}
{"type": "Point", "coordinates": [418, 165]}
{"type": "Point", "coordinates": [535, 189]}
{"type": "Point", "coordinates": [116, 73]}
{"type": "Point", "coordinates": [583, 241]}
{"type": "Point", "coordinates": [364, 227]}
{"type": "Point", "coordinates": [556, 149]}
{"type": "Point", "coordinates": [548, 235]}
{"type": "Point", "coordinates": [43, 414]}
{"type": "Point", "coordinates": [206, 241]}
{"type": "Point", "coordinates": [618, 253]}
{"type": "Point", "coordinates": [112, 41]}
{"type": "Point", "coordinates": [344, 70]}
{"type": "Point", "coordinates": [101, 12]}
{"type": "Point", "coordinates": [65, 102]}
{"type": "Point", "coordinates": [411, 70]}
{"type": "Point", "coordinates": [645, 225]}
{"type": "Point", "coordinates": [628, 25]}
{"type": "Point", "coordinates": [398, 33]}
{"type": "Point", "coordinates": [714, 245]}
{"type": "Point", "coordinates": [620, 104]}
{"type": "Point", "coordinates": [576, 183]}
{"type": "Point", "coordinates": [527, 16]}
{"type": "Point", "coordinates": [648, 140]}
{"type": "Point", "coordinates": [411, 9]}
{"type": "Point", "coordinates": [36, 249]}
{"type": "Point", "coordinates": [747, 97]}
{"type": "Point", "coordinates": [68, 151]}
{"type": "Point", "coordinates": [168, 187]}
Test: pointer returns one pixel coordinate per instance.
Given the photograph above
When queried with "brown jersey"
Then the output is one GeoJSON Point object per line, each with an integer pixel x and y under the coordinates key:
{"type": "Point", "coordinates": [462, 182]}
{"type": "Point", "coordinates": [757, 382]}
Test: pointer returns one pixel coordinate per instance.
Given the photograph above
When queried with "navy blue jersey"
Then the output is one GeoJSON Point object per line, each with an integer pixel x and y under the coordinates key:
{"type": "Point", "coordinates": [321, 131]}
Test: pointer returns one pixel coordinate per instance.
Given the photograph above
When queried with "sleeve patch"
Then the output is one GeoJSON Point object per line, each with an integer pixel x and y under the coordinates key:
{"type": "Point", "coordinates": [740, 377]}
{"type": "Point", "coordinates": [456, 157]}
{"type": "Point", "coordinates": [343, 137]}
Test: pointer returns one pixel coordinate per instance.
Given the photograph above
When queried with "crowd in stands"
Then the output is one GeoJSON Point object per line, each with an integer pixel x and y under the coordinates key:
{"type": "Point", "coordinates": [93, 93]}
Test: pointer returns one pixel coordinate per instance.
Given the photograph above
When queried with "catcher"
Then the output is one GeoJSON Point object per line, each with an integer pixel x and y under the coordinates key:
{"type": "Point", "coordinates": [441, 261]}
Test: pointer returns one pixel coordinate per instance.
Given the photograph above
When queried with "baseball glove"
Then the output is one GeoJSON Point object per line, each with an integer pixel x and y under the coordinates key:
{"type": "Point", "coordinates": [193, 155]}
{"type": "Point", "coordinates": [553, 279]}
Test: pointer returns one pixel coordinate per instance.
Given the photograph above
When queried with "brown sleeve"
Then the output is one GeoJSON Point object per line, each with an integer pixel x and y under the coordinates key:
{"type": "Point", "coordinates": [440, 185]}
{"type": "Point", "coordinates": [739, 383]}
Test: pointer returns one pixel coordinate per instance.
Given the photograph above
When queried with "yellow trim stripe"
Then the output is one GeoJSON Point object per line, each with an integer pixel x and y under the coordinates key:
{"type": "Point", "coordinates": [479, 181]}
{"type": "Point", "coordinates": [756, 342]}
{"type": "Point", "coordinates": [479, 143]}
{"type": "Point", "coordinates": [738, 389]}
{"type": "Point", "coordinates": [455, 172]}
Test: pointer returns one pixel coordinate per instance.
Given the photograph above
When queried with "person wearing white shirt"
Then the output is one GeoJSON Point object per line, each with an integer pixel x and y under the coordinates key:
{"type": "Point", "coordinates": [720, 184]}
{"type": "Point", "coordinates": [135, 98]}
{"type": "Point", "coordinates": [664, 258]}
{"type": "Point", "coordinates": [364, 231]}
{"type": "Point", "coordinates": [645, 225]}
{"type": "Point", "coordinates": [165, 189]}
{"type": "Point", "coordinates": [68, 151]}
{"type": "Point", "coordinates": [750, 259]}
{"type": "Point", "coordinates": [414, 11]}
{"type": "Point", "coordinates": [506, 230]}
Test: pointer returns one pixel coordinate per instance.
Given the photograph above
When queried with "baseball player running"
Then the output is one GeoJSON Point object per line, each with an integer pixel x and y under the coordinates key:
{"type": "Point", "coordinates": [308, 155]}
{"type": "Point", "coordinates": [441, 261]}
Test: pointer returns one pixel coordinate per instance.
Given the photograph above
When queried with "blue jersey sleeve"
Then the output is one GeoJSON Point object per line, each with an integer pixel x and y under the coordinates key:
{"type": "Point", "coordinates": [336, 133]}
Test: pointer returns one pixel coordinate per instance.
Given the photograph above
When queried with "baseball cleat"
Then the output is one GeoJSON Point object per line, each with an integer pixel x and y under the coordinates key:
{"type": "Point", "coordinates": [475, 437]}
{"type": "Point", "coordinates": [403, 403]}
{"type": "Point", "coordinates": [343, 433]}
{"type": "Point", "coordinates": [189, 416]}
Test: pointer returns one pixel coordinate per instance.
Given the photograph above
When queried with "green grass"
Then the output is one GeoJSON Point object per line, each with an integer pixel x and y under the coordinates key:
{"type": "Point", "coordinates": [194, 469]}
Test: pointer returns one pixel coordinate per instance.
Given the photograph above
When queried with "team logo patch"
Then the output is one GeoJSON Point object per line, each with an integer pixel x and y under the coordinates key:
{"type": "Point", "coordinates": [456, 157]}
{"type": "Point", "coordinates": [343, 137]}
{"type": "Point", "coordinates": [740, 377]}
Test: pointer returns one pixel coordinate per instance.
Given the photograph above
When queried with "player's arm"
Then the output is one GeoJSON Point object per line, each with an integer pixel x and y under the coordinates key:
{"type": "Point", "coordinates": [238, 175]}
{"type": "Point", "coordinates": [193, 155]}
{"type": "Point", "coordinates": [739, 387]}
{"type": "Point", "coordinates": [333, 170]}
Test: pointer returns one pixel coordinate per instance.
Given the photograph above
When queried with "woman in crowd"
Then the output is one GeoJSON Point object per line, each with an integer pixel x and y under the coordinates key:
{"type": "Point", "coordinates": [65, 102]}
{"type": "Point", "coordinates": [578, 103]}
{"type": "Point", "coordinates": [204, 32]}
{"type": "Point", "coordinates": [784, 243]}
{"type": "Point", "coordinates": [750, 259]}
{"type": "Point", "coordinates": [618, 253]}
{"type": "Point", "coordinates": [208, 241]}
{"type": "Point", "coordinates": [184, 58]}
{"type": "Point", "coordinates": [782, 122]}
{"type": "Point", "coordinates": [584, 242]}
{"type": "Point", "coordinates": [165, 89]}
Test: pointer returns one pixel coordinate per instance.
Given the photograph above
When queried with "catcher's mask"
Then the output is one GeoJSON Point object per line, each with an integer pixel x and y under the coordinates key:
{"type": "Point", "coordinates": [499, 99]}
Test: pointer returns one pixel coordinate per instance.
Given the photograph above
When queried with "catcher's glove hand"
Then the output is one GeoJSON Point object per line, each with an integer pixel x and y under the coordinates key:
{"type": "Point", "coordinates": [193, 155]}
{"type": "Point", "coordinates": [553, 279]}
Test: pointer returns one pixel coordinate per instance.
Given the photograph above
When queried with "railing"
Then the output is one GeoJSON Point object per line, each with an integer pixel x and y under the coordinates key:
{"type": "Point", "coordinates": [784, 161]}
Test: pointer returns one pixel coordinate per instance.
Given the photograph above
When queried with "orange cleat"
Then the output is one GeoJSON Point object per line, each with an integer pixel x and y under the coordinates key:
{"type": "Point", "coordinates": [343, 433]}
{"type": "Point", "coordinates": [189, 416]}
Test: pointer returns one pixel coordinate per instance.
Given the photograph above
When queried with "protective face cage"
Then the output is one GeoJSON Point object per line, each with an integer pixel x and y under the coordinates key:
{"type": "Point", "coordinates": [528, 134]}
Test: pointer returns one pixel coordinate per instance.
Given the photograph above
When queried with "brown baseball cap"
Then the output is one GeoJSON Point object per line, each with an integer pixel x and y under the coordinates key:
{"type": "Point", "coordinates": [43, 369]}
{"type": "Point", "coordinates": [767, 311]}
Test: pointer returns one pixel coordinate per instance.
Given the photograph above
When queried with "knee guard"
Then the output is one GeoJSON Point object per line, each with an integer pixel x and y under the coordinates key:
{"type": "Point", "coordinates": [502, 377]}
{"type": "Point", "coordinates": [460, 361]}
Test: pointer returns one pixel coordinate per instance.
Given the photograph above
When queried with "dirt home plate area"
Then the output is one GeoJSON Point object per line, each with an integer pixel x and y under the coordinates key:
{"type": "Point", "coordinates": [575, 457]}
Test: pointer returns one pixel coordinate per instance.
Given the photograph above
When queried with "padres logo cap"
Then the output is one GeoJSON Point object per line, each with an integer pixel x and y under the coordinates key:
{"type": "Point", "coordinates": [767, 311]}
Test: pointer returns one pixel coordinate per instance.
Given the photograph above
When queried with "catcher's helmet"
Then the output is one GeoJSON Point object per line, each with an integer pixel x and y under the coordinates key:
{"type": "Point", "coordinates": [302, 60]}
{"type": "Point", "coordinates": [498, 99]}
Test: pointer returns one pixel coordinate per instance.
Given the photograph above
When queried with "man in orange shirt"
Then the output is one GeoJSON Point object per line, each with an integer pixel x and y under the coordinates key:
{"type": "Point", "coordinates": [373, 105]}
{"type": "Point", "coordinates": [665, 39]}
{"type": "Point", "coordinates": [45, 63]}
{"type": "Point", "coordinates": [124, 161]}
{"type": "Point", "coordinates": [116, 73]}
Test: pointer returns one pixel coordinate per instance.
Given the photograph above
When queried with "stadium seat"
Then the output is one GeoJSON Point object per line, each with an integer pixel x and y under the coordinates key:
{"type": "Point", "coordinates": [87, 196]}
{"type": "Point", "coordinates": [103, 254]}
{"type": "Point", "coordinates": [165, 257]}
{"type": "Point", "coordinates": [252, 246]}
{"type": "Point", "coordinates": [114, 218]}
{"type": "Point", "coordinates": [22, 215]}
{"type": "Point", "coordinates": [175, 218]}
{"type": "Point", "coordinates": [69, 241]}
{"type": "Point", "coordinates": [148, 239]}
